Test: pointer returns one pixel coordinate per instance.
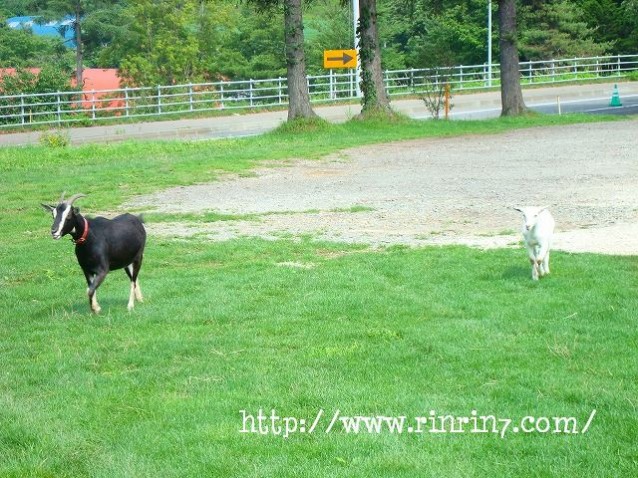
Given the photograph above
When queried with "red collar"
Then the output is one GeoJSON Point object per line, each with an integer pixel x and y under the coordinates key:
{"type": "Point", "coordinates": [82, 239]}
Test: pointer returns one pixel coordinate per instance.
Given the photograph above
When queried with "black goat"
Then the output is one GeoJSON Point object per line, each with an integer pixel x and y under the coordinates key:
{"type": "Point", "coordinates": [101, 245]}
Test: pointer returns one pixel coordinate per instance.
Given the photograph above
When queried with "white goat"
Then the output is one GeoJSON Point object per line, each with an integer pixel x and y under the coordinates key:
{"type": "Point", "coordinates": [538, 229]}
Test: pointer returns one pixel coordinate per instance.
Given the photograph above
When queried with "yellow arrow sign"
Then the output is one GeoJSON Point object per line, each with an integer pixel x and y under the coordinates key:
{"type": "Point", "coordinates": [340, 58]}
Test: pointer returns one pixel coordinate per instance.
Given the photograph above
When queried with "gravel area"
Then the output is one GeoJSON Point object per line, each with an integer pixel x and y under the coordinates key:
{"type": "Point", "coordinates": [435, 191]}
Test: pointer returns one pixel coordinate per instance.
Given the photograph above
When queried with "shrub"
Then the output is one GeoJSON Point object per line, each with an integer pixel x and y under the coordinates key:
{"type": "Point", "coordinates": [55, 139]}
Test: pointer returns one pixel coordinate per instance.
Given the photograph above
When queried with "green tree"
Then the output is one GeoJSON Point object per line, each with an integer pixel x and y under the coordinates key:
{"type": "Point", "coordinates": [614, 22]}
{"type": "Point", "coordinates": [557, 29]}
{"type": "Point", "coordinates": [438, 33]}
{"type": "Point", "coordinates": [181, 41]}
{"type": "Point", "coordinates": [512, 103]}
{"type": "Point", "coordinates": [81, 11]}
{"type": "Point", "coordinates": [298, 94]}
{"type": "Point", "coordinates": [375, 97]}
{"type": "Point", "coordinates": [161, 45]}
{"type": "Point", "coordinates": [630, 12]}
{"type": "Point", "coordinates": [20, 48]}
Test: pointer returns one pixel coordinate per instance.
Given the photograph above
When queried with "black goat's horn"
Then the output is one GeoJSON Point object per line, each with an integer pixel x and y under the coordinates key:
{"type": "Point", "coordinates": [62, 197]}
{"type": "Point", "coordinates": [74, 197]}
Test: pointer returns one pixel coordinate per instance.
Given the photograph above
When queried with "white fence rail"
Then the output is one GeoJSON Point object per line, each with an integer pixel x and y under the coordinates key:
{"type": "Point", "coordinates": [86, 107]}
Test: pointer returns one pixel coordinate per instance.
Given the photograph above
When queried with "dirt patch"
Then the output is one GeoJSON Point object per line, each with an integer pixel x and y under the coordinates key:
{"type": "Point", "coordinates": [436, 191]}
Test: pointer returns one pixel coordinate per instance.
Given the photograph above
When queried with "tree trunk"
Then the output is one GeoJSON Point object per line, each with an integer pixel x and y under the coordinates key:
{"type": "Point", "coordinates": [298, 95]}
{"type": "Point", "coordinates": [78, 48]}
{"type": "Point", "coordinates": [511, 95]}
{"type": "Point", "coordinates": [375, 98]}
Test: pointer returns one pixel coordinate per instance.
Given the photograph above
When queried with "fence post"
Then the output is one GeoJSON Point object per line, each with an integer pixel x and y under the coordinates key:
{"type": "Point", "coordinates": [386, 82]}
{"type": "Point", "coordinates": [553, 70]}
{"type": "Point", "coordinates": [279, 91]}
{"type": "Point", "coordinates": [412, 80]}
{"type": "Point", "coordinates": [59, 108]}
{"type": "Point", "coordinates": [22, 108]}
{"type": "Point", "coordinates": [250, 90]}
{"type": "Point", "coordinates": [126, 105]}
{"type": "Point", "coordinates": [221, 95]}
{"type": "Point", "coordinates": [618, 62]}
{"type": "Point", "coordinates": [530, 71]}
{"type": "Point", "coordinates": [93, 104]}
{"type": "Point", "coordinates": [190, 96]}
{"type": "Point", "coordinates": [461, 76]}
{"type": "Point", "coordinates": [159, 99]}
{"type": "Point", "coordinates": [331, 91]}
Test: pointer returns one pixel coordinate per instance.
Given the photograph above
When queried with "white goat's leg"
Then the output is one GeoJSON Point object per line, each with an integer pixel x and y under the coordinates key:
{"type": "Point", "coordinates": [533, 262]}
{"type": "Point", "coordinates": [131, 297]}
{"type": "Point", "coordinates": [545, 264]}
{"type": "Point", "coordinates": [138, 292]}
{"type": "Point", "coordinates": [543, 259]}
{"type": "Point", "coordinates": [534, 269]}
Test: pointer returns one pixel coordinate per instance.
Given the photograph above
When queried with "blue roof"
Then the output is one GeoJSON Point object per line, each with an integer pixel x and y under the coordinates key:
{"type": "Point", "coordinates": [59, 28]}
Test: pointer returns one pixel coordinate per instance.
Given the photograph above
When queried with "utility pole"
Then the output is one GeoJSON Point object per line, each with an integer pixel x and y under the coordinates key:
{"type": "Point", "coordinates": [355, 24]}
{"type": "Point", "coordinates": [489, 43]}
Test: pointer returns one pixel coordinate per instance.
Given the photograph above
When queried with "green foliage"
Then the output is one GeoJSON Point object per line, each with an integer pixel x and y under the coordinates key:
{"type": "Point", "coordinates": [49, 80]}
{"type": "Point", "coordinates": [161, 46]}
{"type": "Point", "coordinates": [557, 30]}
{"type": "Point", "coordinates": [14, 8]}
{"type": "Point", "coordinates": [20, 48]}
{"type": "Point", "coordinates": [259, 47]}
{"type": "Point", "coordinates": [614, 22]}
{"type": "Point", "coordinates": [440, 35]}
{"type": "Point", "coordinates": [174, 41]}
{"type": "Point", "coordinates": [93, 17]}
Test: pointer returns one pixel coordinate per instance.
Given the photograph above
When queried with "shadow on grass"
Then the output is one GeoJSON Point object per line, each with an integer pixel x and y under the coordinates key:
{"type": "Point", "coordinates": [516, 272]}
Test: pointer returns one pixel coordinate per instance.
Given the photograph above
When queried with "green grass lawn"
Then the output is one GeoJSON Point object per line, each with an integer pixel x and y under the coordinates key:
{"type": "Point", "coordinates": [297, 326]}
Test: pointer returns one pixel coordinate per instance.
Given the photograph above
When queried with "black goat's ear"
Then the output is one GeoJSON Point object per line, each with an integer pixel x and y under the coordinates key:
{"type": "Point", "coordinates": [47, 207]}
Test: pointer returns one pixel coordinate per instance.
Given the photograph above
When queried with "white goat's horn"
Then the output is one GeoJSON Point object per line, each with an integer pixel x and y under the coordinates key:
{"type": "Point", "coordinates": [62, 197]}
{"type": "Point", "coordinates": [74, 197]}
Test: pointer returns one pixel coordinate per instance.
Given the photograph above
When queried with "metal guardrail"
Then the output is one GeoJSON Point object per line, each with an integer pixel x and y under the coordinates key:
{"type": "Point", "coordinates": [85, 107]}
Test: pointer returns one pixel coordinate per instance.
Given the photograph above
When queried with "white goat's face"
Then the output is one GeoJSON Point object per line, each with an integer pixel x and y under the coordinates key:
{"type": "Point", "coordinates": [530, 215]}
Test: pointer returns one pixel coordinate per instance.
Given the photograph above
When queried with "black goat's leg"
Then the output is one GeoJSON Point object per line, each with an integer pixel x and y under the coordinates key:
{"type": "Point", "coordinates": [95, 282]}
{"type": "Point", "coordinates": [131, 271]}
{"type": "Point", "coordinates": [131, 297]}
{"type": "Point", "coordinates": [137, 265]}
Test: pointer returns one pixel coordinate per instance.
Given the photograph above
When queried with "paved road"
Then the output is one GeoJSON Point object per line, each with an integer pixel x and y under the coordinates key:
{"type": "Point", "coordinates": [590, 98]}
